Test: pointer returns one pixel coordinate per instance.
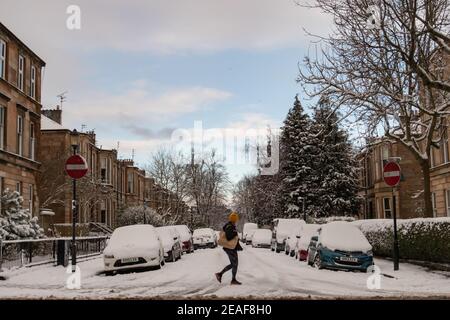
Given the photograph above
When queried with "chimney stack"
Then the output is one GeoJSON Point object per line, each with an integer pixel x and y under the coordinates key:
{"type": "Point", "coordinates": [54, 114]}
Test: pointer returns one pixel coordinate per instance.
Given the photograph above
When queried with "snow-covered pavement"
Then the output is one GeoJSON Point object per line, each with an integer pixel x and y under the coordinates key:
{"type": "Point", "coordinates": [263, 273]}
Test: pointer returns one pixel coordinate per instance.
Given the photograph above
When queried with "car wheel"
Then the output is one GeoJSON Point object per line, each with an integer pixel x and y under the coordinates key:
{"type": "Point", "coordinates": [318, 262]}
{"type": "Point", "coordinates": [292, 253]}
{"type": "Point", "coordinates": [271, 248]}
{"type": "Point", "coordinates": [109, 273]}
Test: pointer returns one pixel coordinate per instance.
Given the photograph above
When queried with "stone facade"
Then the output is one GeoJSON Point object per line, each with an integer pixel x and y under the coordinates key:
{"type": "Point", "coordinates": [20, 112]}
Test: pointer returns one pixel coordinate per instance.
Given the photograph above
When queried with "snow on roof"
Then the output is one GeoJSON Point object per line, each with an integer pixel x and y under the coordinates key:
{"type": "Point", "coordinates": [49, 124]}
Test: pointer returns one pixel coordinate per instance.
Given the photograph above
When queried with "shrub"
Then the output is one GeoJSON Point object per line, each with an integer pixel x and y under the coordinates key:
{"type": "Point", "coordinates": [419, 239]}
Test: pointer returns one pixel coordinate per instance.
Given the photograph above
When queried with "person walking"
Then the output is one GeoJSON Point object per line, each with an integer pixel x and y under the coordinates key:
{"type": "Point", "coordinates": [230, 242]}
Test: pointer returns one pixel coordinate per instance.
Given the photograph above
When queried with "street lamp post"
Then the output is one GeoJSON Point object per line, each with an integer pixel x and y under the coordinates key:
{"type": "Point", "coordinates": [145, 209]}
{"type": "Point", "coordinates": [74, 216]}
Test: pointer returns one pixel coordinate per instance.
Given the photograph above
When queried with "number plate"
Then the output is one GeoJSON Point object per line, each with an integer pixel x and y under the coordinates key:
{"type": "Point", "coordinates": [130, 260]}
{"type": "Point", "coordinates": [348, 259]}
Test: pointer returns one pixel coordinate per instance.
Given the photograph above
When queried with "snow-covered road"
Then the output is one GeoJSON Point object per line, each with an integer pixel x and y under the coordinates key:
{"type": "Point", "coordinates": [263, 273]}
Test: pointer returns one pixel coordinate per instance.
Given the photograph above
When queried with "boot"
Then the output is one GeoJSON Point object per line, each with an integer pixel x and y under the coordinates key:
{"type": "Point", "coordinates": [219, 277]}
{"type": "Point", "coordinates": [235, 282]}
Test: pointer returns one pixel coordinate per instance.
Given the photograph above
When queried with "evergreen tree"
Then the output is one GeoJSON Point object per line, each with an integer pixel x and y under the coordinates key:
{"type": "Point", "coordinates": [335, 189]}
{"type": "Point", "coordinates": [15, 221]}
{"type": "Point", "coordinates": [297, 152]}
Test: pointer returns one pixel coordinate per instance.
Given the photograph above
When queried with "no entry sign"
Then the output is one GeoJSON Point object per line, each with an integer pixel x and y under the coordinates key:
{"type": "Point", "coordinates": [391, 173]}
{"type": "Point", "coordinates": [76, 166]}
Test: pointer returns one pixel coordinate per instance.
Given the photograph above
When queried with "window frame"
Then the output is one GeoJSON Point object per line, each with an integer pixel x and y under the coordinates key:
{"type": "Point", "coordinates": [3, 61]}
{"type": "Point", "coordinates": [19, 134]}
{"type": "Point", "coordinates": [21, 73]}
{"type": "Point", "coordinates": [33, 82]}
{"type": "Point", "coordinates": [389, 201]}
{"type": "Point", "coordinates": [2, 127]}
{"type": "Point", "coordinates": [32, 142]}
{"type": "Point", "coordinates": [433, 204]}
{"type": "Point", "coordinates": [30, 199]}
{"type": "Point", "coordinates": [447, 202]}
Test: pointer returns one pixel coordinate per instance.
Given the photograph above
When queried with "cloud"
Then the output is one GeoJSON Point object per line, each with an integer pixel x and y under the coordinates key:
{"type": "Point", "coordinates": [139, 106]}
{"type": "Point", "coordinates": [147, 133]}
{"type": "Point", "coordinates": [167, 26]}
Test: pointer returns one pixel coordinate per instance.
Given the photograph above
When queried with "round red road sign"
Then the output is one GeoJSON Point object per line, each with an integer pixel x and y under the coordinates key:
{"type": "Point", "coordinates": [76, 166]}
{"type": "Point", "coordinates": [391, 173]}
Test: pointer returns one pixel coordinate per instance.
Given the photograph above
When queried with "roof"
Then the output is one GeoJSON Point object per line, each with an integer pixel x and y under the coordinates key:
{"type": "Point", "coordinates": [49, 124]}
{"type": "Point", "coordinates": [10, 34]}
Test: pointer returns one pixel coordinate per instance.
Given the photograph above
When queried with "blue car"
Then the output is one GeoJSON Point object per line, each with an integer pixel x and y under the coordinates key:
{"type": "Point", "coordinates": [341, 246]}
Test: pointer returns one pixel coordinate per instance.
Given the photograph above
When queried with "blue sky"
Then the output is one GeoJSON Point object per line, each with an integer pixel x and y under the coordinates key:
{"type": "Point", "coordinates": [138, 69]}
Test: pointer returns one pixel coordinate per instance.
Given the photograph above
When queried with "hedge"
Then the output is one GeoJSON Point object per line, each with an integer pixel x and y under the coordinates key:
{"type": "Point", "coordinates": [424, 239]}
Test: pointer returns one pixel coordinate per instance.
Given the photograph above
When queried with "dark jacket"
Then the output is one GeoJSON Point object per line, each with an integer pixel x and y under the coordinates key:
{"type": "Point", "coordinates": [231, 232]}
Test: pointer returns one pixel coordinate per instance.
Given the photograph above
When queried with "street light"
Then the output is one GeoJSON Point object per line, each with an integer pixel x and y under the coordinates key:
{"type": "Point", "coordinates": [145, 209]}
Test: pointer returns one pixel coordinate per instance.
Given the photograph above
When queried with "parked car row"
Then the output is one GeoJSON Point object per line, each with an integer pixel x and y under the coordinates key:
{"type": "Point", "coordinates": [142, 246]}
{"type": "Point", "coordinates": [205, 238]}
{"type": "Point", "coordinates": [335, 245]}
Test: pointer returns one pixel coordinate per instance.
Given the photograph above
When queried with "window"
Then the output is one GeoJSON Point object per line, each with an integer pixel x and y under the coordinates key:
{"type": "Point", "coordinates": [387, 208]}
{"type": "Point", "coordinates": [447, 201]}
{"type": "Point", "coordinates": [384, 155]}
{"type": "Point", "coordinates": [30, 199]}
{"type": "Point", "coordinates": [33, 82]}
{"type": "Point", "coordinates": [1, 192]}
{"type": "Point", "coordinates": [105, 170]}
{"type": "Point", "coordinates": [32, 142]}
{"type": "Point", "coordinates": [19, 187]}
{"type": "Point", "coordinates": [130, 182]}
{"type": "Point", "coordinates": [444, 147]}
{"type": "Point", "coordinates": [2, 127]}
{"type": "Point", "coordinates": [20, 135]}
{"type": "Point", "coordinates": [103, 212]}
{"type": "Point", "coordinates": [21, 69]}
{"type": "Point", "coordinates": [2, 59]}
{"type": "Point", "coordinates": [433, 204]}
{"type": "Point", "coordinates": [431, 157]}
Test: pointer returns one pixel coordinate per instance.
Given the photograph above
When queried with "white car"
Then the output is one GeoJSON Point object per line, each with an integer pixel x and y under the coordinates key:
{"type": "Point", "coordinates": [301, 248]}
{"type": "Point", "coordinates": [187, 242]}
{"type": "Point", "coordinates": [204, 237]}
{"type": "Point", "coordinates": [282, 228]}
{"type": "Point", "coordinates": [262, 238]}
{"type": "Point", "coordinates": [249, 236]}
{"type": "Point", "coordinates": [292, 239]}
{"type": "Point", "coordinates": [171, 242]}
{"type": "Point", "coordinates": [133, 247]}
{"type": "Point", "coordinates": [245, 230]}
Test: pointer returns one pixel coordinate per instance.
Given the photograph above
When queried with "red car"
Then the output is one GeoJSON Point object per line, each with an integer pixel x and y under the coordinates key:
{"type": "Point", "coordinates": [187, 243]}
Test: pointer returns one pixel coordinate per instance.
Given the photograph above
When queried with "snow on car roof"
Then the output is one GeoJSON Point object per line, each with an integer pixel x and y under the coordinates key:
{"type": "Point", "coordinates": [131, 234]}
{"type": "Point", "coordinates": [340, 235]}
{"type": "Point", "coordinates": [203, 231]}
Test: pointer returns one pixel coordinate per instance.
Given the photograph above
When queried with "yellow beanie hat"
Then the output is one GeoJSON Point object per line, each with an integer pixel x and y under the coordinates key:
{"type": "Point", "coordinates": [233, 217]}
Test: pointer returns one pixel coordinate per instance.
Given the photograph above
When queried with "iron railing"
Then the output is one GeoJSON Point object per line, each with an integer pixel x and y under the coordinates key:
{"type": "Point", "coordinates": [20, 253]}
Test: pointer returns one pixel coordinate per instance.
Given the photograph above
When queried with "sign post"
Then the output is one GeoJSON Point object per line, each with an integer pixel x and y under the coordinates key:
{"type": "Point", "coordinates": [391, 176]}
{"type": "Point", "coordinates": [76, 167]}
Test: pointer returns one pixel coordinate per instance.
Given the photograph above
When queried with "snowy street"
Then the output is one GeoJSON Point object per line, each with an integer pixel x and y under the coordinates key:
{"type": "Point", "coordinates": [264, 274]}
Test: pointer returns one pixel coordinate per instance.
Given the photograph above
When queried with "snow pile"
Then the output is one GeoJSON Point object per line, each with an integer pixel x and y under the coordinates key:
{"type": "Point", "coordinates": [133, 241]}
{"type": "Point", "coordinates": [340, 235]}
{"type": "Point", "coordinates": [204, 232]}
{"type": "Point", "coordinates": [333, 218]}
{"type": "Point", "coordinates": [16, 222]}
{"type": "Point", "coordinates": [426, 239]}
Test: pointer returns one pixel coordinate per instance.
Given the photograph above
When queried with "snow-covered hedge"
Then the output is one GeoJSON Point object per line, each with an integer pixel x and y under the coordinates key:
{"type": "Point", "coordinates": [332, 218]}
{"type": "Point", "coordinates": [426, 239]}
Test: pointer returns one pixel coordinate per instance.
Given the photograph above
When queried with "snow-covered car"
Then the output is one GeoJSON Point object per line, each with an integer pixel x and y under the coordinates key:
{"type": "Point", "coordinates": [133, 247]}
{"type": "Point", "coordinates": [204, 238]}
{"type": "Point", "coordinates": [301, 248]}
{"type": "Point", "coordinates": [187, 242]}
{"type": "Point", "coordinates": [292, 239]}
{"type": "Point", "coordinates": [170, 239]}
{"type": "Point", "coordinates": [249, 237]}
{"type": "Point", "coordinates": [262, 238]}
{"type": "Point", "coordinates": [282, 228]}
{"type": "Point", "coordinates": [245, 230]}
{"type": "Point", "coordinates": [340, 245]}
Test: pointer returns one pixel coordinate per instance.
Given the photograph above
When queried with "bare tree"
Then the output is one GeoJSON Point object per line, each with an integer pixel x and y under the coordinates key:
{"type": "Point", "coordinates": [384, 66]}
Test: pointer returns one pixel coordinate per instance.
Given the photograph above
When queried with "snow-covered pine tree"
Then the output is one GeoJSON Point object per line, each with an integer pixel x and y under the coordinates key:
{"type": "Point", "coordinates": [297, 155]}
{"type": "Point", "coordinates": [15, 221]}
{"type": "Point", "coordinates": [335, 190]}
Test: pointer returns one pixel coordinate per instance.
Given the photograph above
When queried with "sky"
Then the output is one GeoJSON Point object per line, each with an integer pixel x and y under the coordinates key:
{"type": "Point", "coordinates": [138, 70]}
